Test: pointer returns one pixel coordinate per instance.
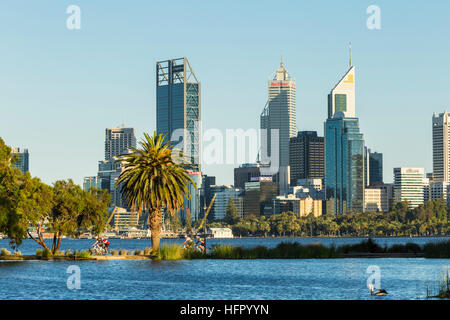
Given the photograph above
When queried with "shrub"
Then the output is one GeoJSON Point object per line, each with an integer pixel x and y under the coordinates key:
{"type": "Point", "coordinates": [4, 252]}
{"type": "Point", "coordinates": [83, 254]}
{"type": "Point", "coordinates": [147, 251]}
{"type": "Point", "coordinates": [138, 252]}
{"type": "Point", "coordinates": [68, 253]}
{"type": "Point", "coordinates": [123, 252]}
{"type": "Point", "coordinates": [46, 253]}
{"type": "Point", "coordinates": [171, 252]}
{"type": "Point", "coordinates": [114, 252]}
{"type": "Point", "coordinates": [17, 253]}
{"type": "Point", "coordinates": [437, 250]}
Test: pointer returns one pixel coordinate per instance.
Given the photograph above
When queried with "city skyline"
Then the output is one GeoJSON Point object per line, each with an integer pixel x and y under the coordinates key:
{"type": "Point", "coordinates": [383, 80]}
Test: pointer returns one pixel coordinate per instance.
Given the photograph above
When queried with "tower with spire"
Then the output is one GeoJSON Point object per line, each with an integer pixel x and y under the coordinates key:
{"type": "Point", "coordinates": [279, 120]}
{"type": "Point", "coordinates": [342, 96]}
{"type": "Point", "coordinates": [345, 159]}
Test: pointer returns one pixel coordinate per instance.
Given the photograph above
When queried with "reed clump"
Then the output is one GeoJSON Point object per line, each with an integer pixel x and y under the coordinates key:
{"type": "Point", "coordinates": [437, 250]}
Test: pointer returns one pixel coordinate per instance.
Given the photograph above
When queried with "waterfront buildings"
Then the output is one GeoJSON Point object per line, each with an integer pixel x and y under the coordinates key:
{"type": "Point", "coordinates": [246, 172]}
{"type": "Point", "coordinates": [279, 118]}
{"type": "Point", "coordinates": [441, 147]}
{"type": "Point", "coordinates": [409, 185]}
{"type": "Point", "coordinates": [178, 107]}
{"type": "Point", "coordinates": [118, 140]}
{"type": "Point", "coordinates": [435, 190]}
{"type": "Point", "coordinates": [306, 156]}
{"type": "Point", "coordinates": [22, 161]}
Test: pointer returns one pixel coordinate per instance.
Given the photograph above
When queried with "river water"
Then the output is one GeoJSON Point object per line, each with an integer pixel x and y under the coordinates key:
{"type": "Point", "coordinates": [219, 279]}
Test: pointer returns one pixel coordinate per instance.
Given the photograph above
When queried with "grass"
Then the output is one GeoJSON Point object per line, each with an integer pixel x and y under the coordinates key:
{"type": "Point", "coordinates": [171, 252]}
{"type": "Point", "coordinates": [442, 288]}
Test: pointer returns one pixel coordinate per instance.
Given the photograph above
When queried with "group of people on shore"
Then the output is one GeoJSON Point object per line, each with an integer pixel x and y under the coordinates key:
{"type": "Point", "coordinates": [101, 243]}
{"type": "Point", "coordinates": [194, 242]}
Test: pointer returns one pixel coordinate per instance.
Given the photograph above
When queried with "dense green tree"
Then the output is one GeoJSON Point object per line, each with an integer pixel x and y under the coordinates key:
{"type": "Point", "coordinates": [231, 214]}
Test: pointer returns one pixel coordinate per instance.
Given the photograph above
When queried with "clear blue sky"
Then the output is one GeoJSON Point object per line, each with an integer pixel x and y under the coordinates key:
{"type": "Point", "coordinates": [60, 88]}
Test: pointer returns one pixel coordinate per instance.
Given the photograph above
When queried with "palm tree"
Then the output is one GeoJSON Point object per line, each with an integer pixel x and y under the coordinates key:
{"type": "Point", "coordinates": [154, 180]}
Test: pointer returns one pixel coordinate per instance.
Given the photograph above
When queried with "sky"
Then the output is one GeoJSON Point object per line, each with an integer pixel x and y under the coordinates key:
{"type": "Point", "coordinates": [60, 88]}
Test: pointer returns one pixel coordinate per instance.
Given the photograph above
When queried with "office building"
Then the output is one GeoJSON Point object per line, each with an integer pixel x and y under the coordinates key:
{"type": "Point", "coordinates": [258, 197]}
{"type": "Point", "coordinates": [302, 207]}
{"type": "Point", "coordinates": [375, 168]}
{"type": "Point", "coordinates": [306, 156]}
{"type": "Point", "coordinates": [246, 172]}
{"type": "Point", "coordinates": [221, 202]}
{"type": "Point", "coordinates": [91, 182]}
{"type": "Point", "coordinates": [118, 140]}
{"type": "Point", "coordinates": [409, 185]}
{"type": "Point", "coordinates": [310, 183]}
{"type": "Point", "coordinates": [441, 147]}
{"type": "Point", "coordinates": [279, 119]}
{"type": "Point", "coordinates": [22, 159]}
{"type": "Point", "coordinates": [178, 107]}
{"type": "Point", "coordinates": [344, 166]}
{"type": "Point", "coordinates": [378, 198]}
{"type": "Point", "coordinates": [435, 190]}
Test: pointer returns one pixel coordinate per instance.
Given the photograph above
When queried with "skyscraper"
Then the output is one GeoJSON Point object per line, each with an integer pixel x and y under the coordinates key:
{"type": "Point", "coordinates": [117, 141]}
{"type": "Point", "coordinates": [178, 117]}
{"type": "Point", "coordinates": [178, 107]}
{"type": "Point", "coordinates": [279, 116]}
{"type": "Point", "coordinates": [345, 153]}
{"type": "Point", "coordinates": [22, 161]}
{"type": "Point", "coordinates": [344, 165]}
{"type": "Point", "coordinates": [306, 156]}
{"type": "Point", "coordinates": [441, 147]}
{"type": "Point", "coordinates": [375, 168]}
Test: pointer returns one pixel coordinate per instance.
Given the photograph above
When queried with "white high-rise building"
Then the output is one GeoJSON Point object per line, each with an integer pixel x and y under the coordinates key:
{"type": "Point", "coordinates": [342, 96]}
{"type": "Point", "coordinates": [441, 147]}
{"type": "Point", "coordinates": [409, 184]}
{"type": "Point", "coordinates": [279, 115]}
{"type": "Point", "coordinates": [222, 198]}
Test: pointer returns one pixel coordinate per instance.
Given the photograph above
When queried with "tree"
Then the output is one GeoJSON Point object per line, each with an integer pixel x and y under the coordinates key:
{"type": "Point", "coordinates": [188, 222]}
{"type": "Point", "coordinates": [152, 180]}
{"type": "Point", "coordinates": [232, 214]}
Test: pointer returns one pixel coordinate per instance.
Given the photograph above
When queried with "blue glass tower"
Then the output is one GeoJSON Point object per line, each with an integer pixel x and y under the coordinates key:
{"type": "Point", "coordinates": [344, 165]}
{"type": "Point", "coordinates": [178, 117]}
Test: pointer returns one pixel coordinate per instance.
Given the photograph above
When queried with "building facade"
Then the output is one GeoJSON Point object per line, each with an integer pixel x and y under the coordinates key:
{"type": "Point", "coordinates": [441, 146]}
{"type": "Point", "coordinates": [246, 173]}
{"type": "Point", "coordinates": [378, 198]}
{"type": "Point", "coordinates": [409, 185]}
{"type": "Point", "coordinates": [306, 156]}
{"type": "Point", "coordinates": [375, 168]}
{"type": "Point", "coordinates": [344, 166]}
{"type": "Point", "coordinates": [222, 198]}
{"type": "Point", "coordinates": [91, 182]}
{"type": "Point", "coordinates": [258, 197]}
{"type": "Point", "coordinates": [118, 140]}
{"type": "Point", "coordinates": [178, 108]}
{"type": "Point", "coordinates": [22, 161]}
{"type": "Point", "coordinates": [300, 206]}
{"type": "Point", "coordinates": [279, 118]}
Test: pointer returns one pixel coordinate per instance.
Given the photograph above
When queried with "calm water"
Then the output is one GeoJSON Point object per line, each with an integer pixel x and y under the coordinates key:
{"type": "Point", "coordinates": [218, 279]}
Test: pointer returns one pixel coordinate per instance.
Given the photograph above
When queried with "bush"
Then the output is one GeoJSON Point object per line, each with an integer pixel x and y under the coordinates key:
{"type": "Point", "coordinates": [114, 252]}
{"type": "Point", "coordinates": [17, 253]}
{"type": "Point", "coordinates": [147, 251]}
{"type": "Point", "coordinates": [83, 254]}
{"type": "Point", "coordinates": [123, 252]}
{"type": "Point", "coordinates": [4, 252]}
{"type": "Point", "coordinates": [171, 252]}
{"type": "Point", "coordinates": [46, 253]}
{"type": "Point", "coordinates": [68, 253]}
{"type": "Point", "coordinates": [138, 252]}
{"type": "Point", "coordinates": [437, 250]}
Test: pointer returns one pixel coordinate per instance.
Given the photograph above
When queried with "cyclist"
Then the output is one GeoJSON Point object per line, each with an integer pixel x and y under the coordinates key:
{"type": "Point", "coordinates": [105, 243]}
{"type": "Point", "coordinates": [188, 242]}
{"type": "Point", "coordinates": [98, 243]}
{"type": "Point", "coordinates": [201, 244]}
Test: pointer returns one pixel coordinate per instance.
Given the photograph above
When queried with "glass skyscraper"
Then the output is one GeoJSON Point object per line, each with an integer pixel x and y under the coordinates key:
{"type": "Point", "coordinates": [178, 117]}
{"type": "Point", "coordinates": [344, 176]}
{"type": "Point", "coordinates": [178, 111]}
{"type": "Point", "coordinates": [22, 161]}
{"type": "Point", "coordinates": [345, 153]}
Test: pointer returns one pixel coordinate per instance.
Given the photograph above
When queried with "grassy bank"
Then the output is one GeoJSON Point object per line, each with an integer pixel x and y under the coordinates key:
{"type": "Point", "coordinates": [295, 250]}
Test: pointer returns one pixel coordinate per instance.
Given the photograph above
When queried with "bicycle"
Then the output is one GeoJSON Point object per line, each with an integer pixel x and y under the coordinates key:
{"type": "Point", "coordinates": [98, 251]}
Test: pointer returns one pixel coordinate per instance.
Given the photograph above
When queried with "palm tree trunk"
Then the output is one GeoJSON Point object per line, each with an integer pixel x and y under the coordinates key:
{"type": "Point", "coordinates": [155, 228]}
